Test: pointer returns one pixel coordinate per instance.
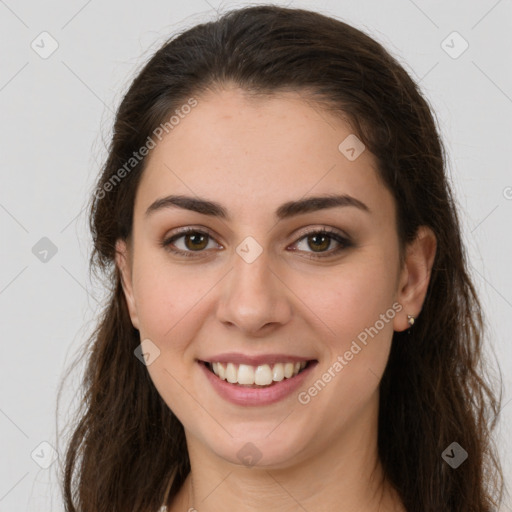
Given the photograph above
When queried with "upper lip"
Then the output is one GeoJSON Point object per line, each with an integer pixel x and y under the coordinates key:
{"type": "Point", "coordinates": [255, 360]}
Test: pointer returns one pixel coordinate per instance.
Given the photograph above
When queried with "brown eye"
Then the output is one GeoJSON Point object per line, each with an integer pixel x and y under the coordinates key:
{"type": "Point", "coordinates": [319, 241]}
{"type": "Point", "coordinates": [188, 242]}
{"type": "Point", "coordinates": [196, 241]}
{"type": "Point", "coordinates": [193, 242]}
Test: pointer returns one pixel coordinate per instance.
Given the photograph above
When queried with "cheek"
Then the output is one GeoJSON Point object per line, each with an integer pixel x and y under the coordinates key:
{"type": "Point", "coordinates": [166, 296]}
{"type": "Point", "coordinates": [356, 307]}
{"type": "Point", "coordinates": [352, 298]}
{"type": "Point", "coordinates": [168, 300]}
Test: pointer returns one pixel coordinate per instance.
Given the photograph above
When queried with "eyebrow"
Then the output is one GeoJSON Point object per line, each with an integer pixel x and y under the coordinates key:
{"type": "Point", "coordinates": [286, 210]}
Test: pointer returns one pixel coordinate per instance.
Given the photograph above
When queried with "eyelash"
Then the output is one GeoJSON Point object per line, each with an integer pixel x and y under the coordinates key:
{"type": "Point", "coordinates": [333, 235]}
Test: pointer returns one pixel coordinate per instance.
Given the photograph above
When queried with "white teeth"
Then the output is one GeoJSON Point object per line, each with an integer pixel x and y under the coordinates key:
{"type": "Point", "coordinates": [278, 372]}
{"type": "Point", "coordinates": [288, 370]}
{"type": "Point", "coordinates": [245, 374]}
{"type": "Point", "coordinates": [262, 375]}
{"type": "Point", "coordinates": [231, 373]}
{"type": "Point", "coordinates": [221, 371]}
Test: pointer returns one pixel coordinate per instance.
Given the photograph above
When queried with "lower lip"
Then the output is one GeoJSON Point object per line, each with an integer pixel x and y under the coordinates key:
{"type": "Point", "coordinates": [241, 395]}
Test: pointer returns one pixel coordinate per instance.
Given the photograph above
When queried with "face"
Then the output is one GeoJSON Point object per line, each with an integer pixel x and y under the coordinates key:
{"type": "Point", "coordinates": [261, 284]}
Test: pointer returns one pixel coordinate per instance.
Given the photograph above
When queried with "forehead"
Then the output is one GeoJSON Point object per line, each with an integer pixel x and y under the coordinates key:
{"type": "Point", "coordinates": [249, 152]}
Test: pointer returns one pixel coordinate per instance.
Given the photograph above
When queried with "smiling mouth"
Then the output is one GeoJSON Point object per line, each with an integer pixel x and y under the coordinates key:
{"type": "Point", "coordinates": [261, 376]}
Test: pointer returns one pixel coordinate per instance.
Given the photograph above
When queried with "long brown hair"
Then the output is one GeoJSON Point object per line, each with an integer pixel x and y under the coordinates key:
{"type": "Point", "coordinates": [127, 446]}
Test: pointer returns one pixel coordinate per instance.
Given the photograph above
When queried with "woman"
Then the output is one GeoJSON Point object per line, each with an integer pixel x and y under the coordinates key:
{"type": "Point", "coordinates": [292, 325]}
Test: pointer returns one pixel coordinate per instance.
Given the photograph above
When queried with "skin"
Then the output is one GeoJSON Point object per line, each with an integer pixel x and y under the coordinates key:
{"type": "Point", "coordinates": [251, 156]}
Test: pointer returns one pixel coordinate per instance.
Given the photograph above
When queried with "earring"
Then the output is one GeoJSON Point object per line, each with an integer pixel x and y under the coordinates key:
{"type": "Point", "coordinates": [410, 320]}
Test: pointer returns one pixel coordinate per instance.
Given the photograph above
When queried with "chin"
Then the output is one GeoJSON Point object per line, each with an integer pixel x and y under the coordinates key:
{"type": "Point", "coordinates": [256, 448]}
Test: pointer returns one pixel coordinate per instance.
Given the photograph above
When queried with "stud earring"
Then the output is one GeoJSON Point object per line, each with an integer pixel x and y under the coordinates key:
{"type": "Point", "coordinates": [410, 320]}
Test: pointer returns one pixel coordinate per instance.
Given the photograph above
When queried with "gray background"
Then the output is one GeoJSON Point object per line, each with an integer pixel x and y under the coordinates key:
{"type": "Point", "coordinates": [57, 113]}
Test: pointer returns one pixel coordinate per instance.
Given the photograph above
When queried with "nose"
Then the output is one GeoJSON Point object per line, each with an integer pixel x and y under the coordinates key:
{"type": "Point", "coordinates": [254, 298]}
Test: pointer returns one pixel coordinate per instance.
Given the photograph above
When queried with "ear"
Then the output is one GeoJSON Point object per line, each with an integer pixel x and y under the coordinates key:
{"type": "Point", "coordinates": [415, 276]}
{"type": "Point", "coordinates": [123, 263]}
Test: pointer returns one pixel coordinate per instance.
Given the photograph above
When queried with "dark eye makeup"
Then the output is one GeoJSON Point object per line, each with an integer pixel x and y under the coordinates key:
{"type": "Point", "coordinates": [321, 238]}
